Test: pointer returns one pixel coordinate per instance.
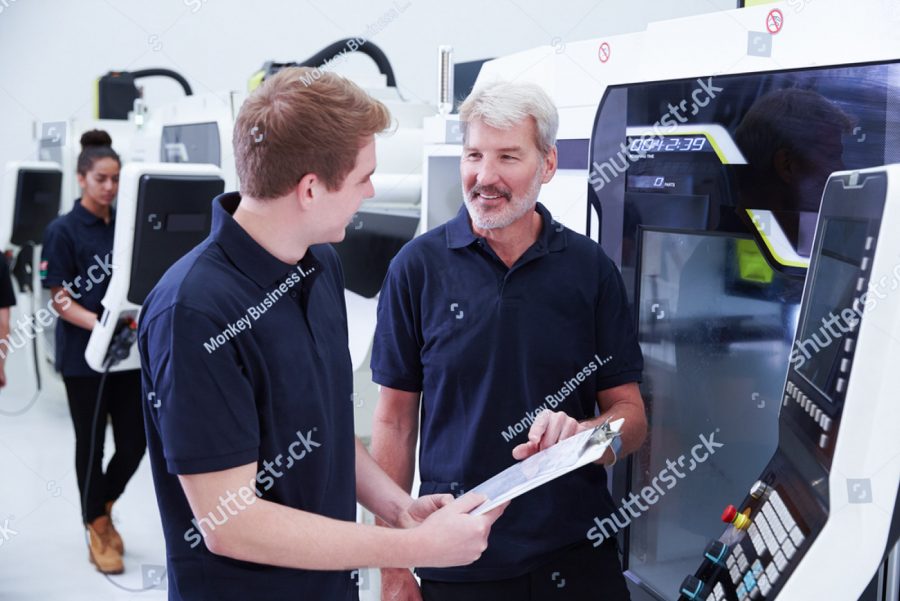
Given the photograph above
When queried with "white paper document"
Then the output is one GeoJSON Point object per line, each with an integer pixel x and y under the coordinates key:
{"type": "Point", "coordinates": [549, 464]}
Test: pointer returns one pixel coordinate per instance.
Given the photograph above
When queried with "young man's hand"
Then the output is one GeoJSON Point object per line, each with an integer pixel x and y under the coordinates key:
{"type": "Point", "coordinates": [451, 537]}
{"type": "Point", "coordinates": [421, 508]}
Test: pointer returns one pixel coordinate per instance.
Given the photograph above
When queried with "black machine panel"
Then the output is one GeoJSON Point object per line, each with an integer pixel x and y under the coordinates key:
{"type": "Point", "coordinates": [38, 195]}
{"type": "Point", "coordinates": [372, 240]}
{"type": "Point", "coordinates": [676, 193]}
{"type": "Point", "coordinates": [789, 504]}
{"type": "Point", "coordinates": [174, 214]}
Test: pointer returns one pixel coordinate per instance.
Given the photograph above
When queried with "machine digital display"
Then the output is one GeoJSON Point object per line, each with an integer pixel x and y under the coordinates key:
{"type": "Point", "coordinates": [669, 144]}
{"type": "Point", "coordinates": [833, 291]}
{"type": "Point", "coordinates": [647, 181]}
{"type": "Point", "coordinates": [187, 222]}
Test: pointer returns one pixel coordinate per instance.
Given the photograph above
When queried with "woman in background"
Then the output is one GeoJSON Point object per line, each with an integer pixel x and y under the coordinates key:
{"type": "Point", "coordinates": [75, 266]}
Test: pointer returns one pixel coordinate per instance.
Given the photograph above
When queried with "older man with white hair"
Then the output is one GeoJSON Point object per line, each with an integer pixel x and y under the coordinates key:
{"type": "Point", "coordinates": [503, 332]}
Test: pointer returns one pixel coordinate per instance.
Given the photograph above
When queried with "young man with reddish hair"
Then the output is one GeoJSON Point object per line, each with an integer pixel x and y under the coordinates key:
{"type": "Point", "coordinates": [248, 380]}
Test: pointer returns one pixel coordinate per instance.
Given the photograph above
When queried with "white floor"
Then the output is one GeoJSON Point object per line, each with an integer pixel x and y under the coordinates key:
{"type": "Point", "coordinates": [43, 555]}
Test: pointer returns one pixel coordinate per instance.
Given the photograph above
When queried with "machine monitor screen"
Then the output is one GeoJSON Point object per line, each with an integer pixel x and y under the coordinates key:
{"type": "Point", "coordinates": [37, 204]}
{"type": "Point", "coordinates": [173, 216]}
{"type": "Point", "coordinates": [832, 297]}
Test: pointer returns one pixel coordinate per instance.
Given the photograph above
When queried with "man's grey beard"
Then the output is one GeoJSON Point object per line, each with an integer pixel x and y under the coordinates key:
{"type": "Point", "coordinates": [514, 209]}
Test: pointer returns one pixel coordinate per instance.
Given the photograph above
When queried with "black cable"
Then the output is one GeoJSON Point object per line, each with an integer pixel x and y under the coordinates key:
{"type": "Point", "coordinates": [165, 73]}
{"type": "Point", "coordinates": [107, 364]}
{"type": "Point", "coordinates": [369, 48]}
{"type": "Point", "coordinates": [23, 277]}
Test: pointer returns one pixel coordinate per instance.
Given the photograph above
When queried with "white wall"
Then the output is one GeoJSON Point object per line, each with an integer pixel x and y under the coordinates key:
{"type": "Point", "coordinates": [51, 51]}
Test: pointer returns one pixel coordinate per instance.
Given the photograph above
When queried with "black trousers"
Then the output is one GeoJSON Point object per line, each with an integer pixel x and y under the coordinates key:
{"type": "Point", "coordinates": [121, 403]}
{"type": "Point", "coordinates": [579, 573]}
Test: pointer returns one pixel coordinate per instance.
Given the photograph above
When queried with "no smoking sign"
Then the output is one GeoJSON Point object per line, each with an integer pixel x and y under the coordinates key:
{"type": "Point", "coordinates": [603, 52]}
{"type": "Point", "coordinates": [775, 21]}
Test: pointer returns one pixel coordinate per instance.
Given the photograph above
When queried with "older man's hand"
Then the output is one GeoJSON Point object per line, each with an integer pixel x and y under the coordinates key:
{"type": "Point", "coordinates": [549, 428]}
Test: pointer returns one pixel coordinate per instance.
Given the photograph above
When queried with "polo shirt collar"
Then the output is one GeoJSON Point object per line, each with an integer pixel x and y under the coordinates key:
{"type": "Point", "coordinates": [249, 257]}
{"type": "Point", "coordinates": [88, 218]}
{"type": "Point", "coordinates": [460, 234]}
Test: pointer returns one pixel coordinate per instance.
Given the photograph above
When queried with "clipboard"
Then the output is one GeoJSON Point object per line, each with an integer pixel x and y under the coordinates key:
{"type": "Point", "coordinates": [549, 464]}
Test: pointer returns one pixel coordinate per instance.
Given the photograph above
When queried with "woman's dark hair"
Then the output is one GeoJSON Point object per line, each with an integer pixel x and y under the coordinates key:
{"type": "Point", "coordinates": [95, 145]}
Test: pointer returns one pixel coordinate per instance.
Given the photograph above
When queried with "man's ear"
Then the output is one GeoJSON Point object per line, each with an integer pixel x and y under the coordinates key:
{"type": "Point", "coordinates": [550, 163]}
{"type": "Point", "coordinates": [307, 191]}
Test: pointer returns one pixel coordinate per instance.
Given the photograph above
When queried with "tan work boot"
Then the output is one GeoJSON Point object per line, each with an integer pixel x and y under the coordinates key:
{"type": "Point", "coordinates": [102, 554]}
{"type": "Point", "coordinates": [114, 539]}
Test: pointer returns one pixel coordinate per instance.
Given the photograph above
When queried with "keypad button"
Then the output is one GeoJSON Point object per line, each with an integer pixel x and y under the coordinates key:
{"type": "Point", "coordinates": [772, 573]}
{"type": "Point", "coordinates": [756, 569]}
{"type": "Point", "coordinates": [797, 537]}
{"type": "Point", "coordinates": [756, 539]}
{"type": "Point", "coordinates": [788, 548]}
{"type": "Point", "coordinates": [780, 561]}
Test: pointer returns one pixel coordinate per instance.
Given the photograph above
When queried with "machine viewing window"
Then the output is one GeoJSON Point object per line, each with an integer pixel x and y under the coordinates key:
{"type": "Point", "coordinates": [191, 143]}
{"type": "Point", "coordinates": [832, 291]}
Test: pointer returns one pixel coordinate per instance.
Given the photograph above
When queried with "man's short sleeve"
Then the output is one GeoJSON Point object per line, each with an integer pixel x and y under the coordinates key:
{"type": "Point", "coordinates": [617, 345]}
{"type": "Point", "coordinates": [7, 293]}
{"type": "Point", "coordinates": [203, 405]}
{"type": "Point", "coordinates": [57, 257]}
{"type": "Point", "coordinates": [397, 348]}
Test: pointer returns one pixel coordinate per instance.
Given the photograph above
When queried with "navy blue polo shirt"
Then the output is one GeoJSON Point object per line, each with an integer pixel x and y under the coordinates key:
{"type": "Point", "coordinates": [77, 254]}
{"type": "Point", "coordinates": [488, 346]}
{"type": "Point", "coordinates": [245, 360]}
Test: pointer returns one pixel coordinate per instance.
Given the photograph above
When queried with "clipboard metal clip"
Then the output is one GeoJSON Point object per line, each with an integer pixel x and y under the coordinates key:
{"type": "Point", "coordinates": [602, 435]}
